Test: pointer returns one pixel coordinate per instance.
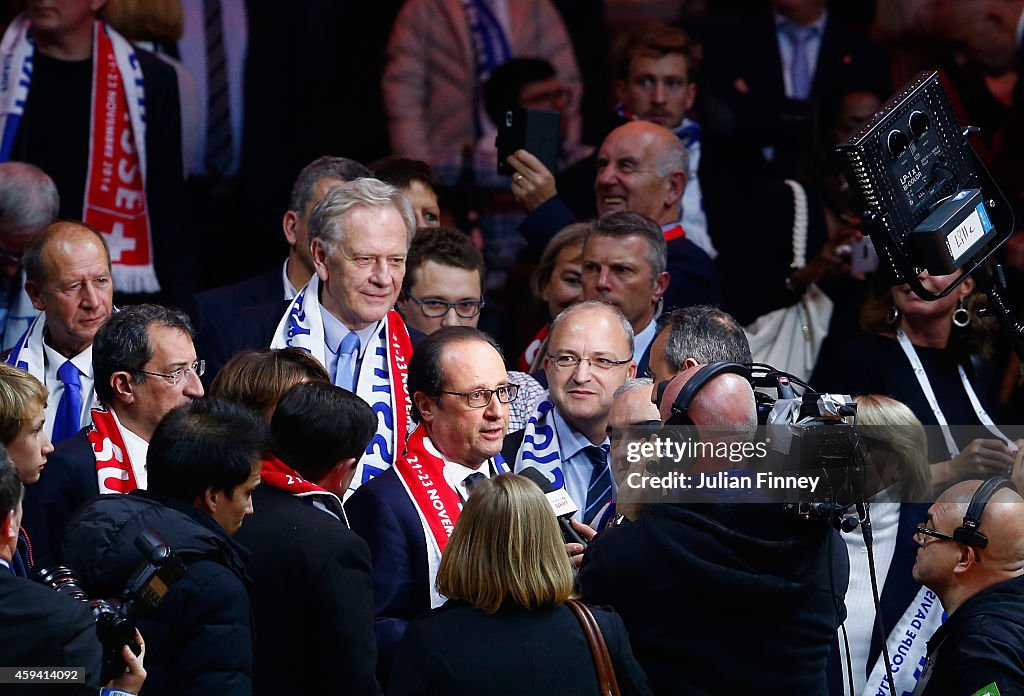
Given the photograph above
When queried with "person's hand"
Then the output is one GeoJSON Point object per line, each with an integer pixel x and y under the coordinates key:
{"type": "Point", "coordinates": [575, 551]}
{"type": "Point", "coordinates": [135, 674]}
{"type": "Point", "coordinates": [1017, 474]}
{"type": "Point", "coordinates": [532, 183]}
{"type": "Point", "coordinates": [834, 260]}
{"type": "Point", "coordinates": [981, 459]}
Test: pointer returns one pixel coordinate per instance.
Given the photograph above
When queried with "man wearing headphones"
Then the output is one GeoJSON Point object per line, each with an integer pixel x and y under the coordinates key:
{"type": "Point", "coordinates": [971, 554]}
{"type": "Point", "coordinates": [725, 595]}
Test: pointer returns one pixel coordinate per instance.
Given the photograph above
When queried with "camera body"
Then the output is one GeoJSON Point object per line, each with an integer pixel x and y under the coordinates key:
{"type": "Point", "coordinates": [116, 617]}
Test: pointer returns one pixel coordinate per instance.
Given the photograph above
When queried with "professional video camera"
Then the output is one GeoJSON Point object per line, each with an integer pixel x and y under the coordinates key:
{"type": "Point", "coordinates": [116, 618]}
{"type": "Point", "coordinates": [811, 434]}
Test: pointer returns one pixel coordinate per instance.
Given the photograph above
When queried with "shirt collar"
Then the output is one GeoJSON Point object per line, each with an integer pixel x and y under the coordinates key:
{"type": "Point", "coordinates": [818, 24]}
{"type": "Point", "coordinates": [335, 332]}
{"type": "Point", "coordinates": [643, 339]}
{"type": "Point", "coordinates": [83, 361]}
{"type": "Point", "coordinates": [570, 441]}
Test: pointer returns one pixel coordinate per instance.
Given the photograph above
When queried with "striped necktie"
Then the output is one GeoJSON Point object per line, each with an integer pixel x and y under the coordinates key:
{"type": "Point", "coordinates": [600, 490]}
{"type": "Point", "coordinates": [219, 147]}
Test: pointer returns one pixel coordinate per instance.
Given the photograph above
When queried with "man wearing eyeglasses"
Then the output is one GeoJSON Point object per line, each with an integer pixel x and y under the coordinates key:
{"type": "Point", "coordinates": [980, 647]}
{"type": "Point", "coordinates": [590, 355]}
{"type": "Point", "coordinates": [145, 366]}
{"type": "Point", "coordinates": [461, 395]}
{"type": "Point", "coordinates": [443, 286]}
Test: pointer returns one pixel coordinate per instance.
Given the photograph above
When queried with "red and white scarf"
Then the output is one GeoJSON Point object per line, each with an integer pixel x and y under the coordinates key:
{"type": "Point", "coordinates": [421, 472]}
{"type": "Point", "coordinates": [531, 358]}
{"type": "Point", "coordinates": [115, 185]}
{"type": "Point", "coordinates": [383, 377]}
{"type": "Point", "coordinates": [279, 475]}
{"type": "Point", "coordinates": [114, 471]}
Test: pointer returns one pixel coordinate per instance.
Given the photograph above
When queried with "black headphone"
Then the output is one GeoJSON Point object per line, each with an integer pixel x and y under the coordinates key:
{"type": "Point", "coordinates": [684, 399]}
{"type": "Point", "coordinates": [968, 532]}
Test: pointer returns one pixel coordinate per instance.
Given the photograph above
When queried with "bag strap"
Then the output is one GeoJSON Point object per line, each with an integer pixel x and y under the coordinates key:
{"type": "Point", "coordinates": [800, 222]}
{"type": "Point", "coordinates": [606, 682]}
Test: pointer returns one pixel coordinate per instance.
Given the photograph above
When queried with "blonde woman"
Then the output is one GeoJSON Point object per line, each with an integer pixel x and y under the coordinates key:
{"type": "Point", "coordinates": [898, 484]}
{"type": "Point", "coordinates": [505, 628]}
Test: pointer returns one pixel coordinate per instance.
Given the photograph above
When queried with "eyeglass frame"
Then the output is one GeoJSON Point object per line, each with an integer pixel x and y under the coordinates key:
{"type": "Point", "coordinates": [579, 361]}
{"type": "Point", "coordinates": [449, 306]}
{"type": "Point", "coordinates": [928, 532]}
{"type": "Point", "coordinates": [491, 393]}
{"type": "Point", "coordinates": [198, 368]}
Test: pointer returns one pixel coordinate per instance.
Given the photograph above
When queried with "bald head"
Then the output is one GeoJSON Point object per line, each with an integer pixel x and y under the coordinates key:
{"type": "Point", "coordinates": [1002, 521]}
{"type": "Point", "coordinates": [641, 167]}
{"type": "Point", "coordinates": [727, 401]}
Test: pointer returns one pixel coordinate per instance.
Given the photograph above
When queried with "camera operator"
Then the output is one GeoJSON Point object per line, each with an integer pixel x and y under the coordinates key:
{"type": "Point", "coordinates": [203, 465]}
{"type": "Point", "coordinates": [42, 628]}
{"type": "Point", "coordinates": [744, 600]}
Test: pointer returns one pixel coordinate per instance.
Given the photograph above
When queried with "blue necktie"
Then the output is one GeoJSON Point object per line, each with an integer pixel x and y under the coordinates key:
{"type": "Point", "coordinates": [600, 490]}
{"type": "Point", "coordinates": [69, 408]}
{"type": "Point", "coordinates": [219, 148]}
{"type": "Point", "coordinates": [800, 72]}
{"type": "Point", "coordinates": [344, 374]}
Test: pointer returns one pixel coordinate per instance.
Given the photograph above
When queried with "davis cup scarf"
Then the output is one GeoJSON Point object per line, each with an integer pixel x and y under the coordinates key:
{"type": "Point", "coordinates": [540, 445]}
{"type": "Point", "coordinates": [279, 475]}
{"type": "Point", "coordinates": [114, 471]}
{"type": "Point", "coordinates": [383, 377]}
{"type": "Point", "coordinates": [27, 354]}
{"type": "Point", "coordinates": [421, 472]}
{"type": "Point", "coordinates": [115, 185]}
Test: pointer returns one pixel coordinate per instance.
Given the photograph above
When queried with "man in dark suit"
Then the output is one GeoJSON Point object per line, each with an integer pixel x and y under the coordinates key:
{"type": "Point", "coordinates": [301, 546]}
{"type": "Point", "coordinates": [39, 627]}
{"type": "Point", "coordinates": [460, 393]}
{"type": "Point", "coordinates": [641, 168]}
{"type": "Point", "coordinates": [589, 356]}
{"type": "Point", "coordinates": [281, 283]}
{"type": "Point", "coordinates": [145, 365]}
{"type": "Point", "coordinates": [758, 99]}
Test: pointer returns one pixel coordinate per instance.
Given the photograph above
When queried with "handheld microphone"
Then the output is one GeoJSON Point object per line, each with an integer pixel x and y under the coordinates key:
{"type": "Point", "coordinates": [561, 504]}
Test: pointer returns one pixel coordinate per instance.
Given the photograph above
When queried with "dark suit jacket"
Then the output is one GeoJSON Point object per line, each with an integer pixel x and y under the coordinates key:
{"type": "Point", "coordinates": [744, 101]}
{"type": "Point", "coordinates": [312, 598]}
{"type": "Point", "coordinates": [250, 328]}
{"type": "Point", "coordinates": [381, 512]}
{"type": "Point", "coordinates": [452, 650]}
{"type": "Point", "coordinates": [41, 628]}
{"type": "Point", "coordinates": [68, 482]}
{"type": "Point", "coordinates": [219, 303]}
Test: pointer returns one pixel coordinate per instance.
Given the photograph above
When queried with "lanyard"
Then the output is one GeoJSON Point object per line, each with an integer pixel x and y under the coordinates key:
{"type": "Point", "coordinates": [929, 394]}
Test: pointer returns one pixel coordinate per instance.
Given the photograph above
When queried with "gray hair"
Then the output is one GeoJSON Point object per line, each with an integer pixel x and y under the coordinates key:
{"type": "Point", "coordinates": [323, 168]}
{"type": "Point", "coordinates": [704, 333]}
{"type": "Point", "coordinates": [627, 223]}
{"type": "Point", "coordinates": [672, 157]}
{"type": "Point", "coordinates": [328, 220]}
{"type": "Point", "coordinates": [28, 198]}
{"type": "Point", "coordinates": [632, 385]}
{"type": "Point", "coordinates": [627, 328]}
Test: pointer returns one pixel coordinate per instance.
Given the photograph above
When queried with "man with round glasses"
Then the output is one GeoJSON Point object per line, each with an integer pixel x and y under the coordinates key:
{"type": "Point", "coordinates": [461, 394]}
{"type": "Point", "coordinates": [145, 365]}
{"type": "Point", "coordinates": [590, 355]}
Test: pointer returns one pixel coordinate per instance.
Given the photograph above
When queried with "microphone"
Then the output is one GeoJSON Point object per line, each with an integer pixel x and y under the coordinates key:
{"type": "Point", "coordinates": [561, 504]}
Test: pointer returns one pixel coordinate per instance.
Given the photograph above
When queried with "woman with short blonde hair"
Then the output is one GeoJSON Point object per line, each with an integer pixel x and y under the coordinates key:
{"type": "Point", "coordinates": [506, 628]}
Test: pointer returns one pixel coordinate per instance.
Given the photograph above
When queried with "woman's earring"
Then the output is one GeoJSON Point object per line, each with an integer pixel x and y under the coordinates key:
{"type": "Point", "coordinates": [961, 317]}
{"type": "Point", "coordinates": [894, 316]}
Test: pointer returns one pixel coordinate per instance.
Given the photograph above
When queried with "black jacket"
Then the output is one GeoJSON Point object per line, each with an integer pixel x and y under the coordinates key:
{"type": "Point", "coordinates": [981, 643]}
{"type": "Point", "coordinates": [41, 628]}
{"type": "Point", "coordinates": [457, 649]}
{"type": "Point", "coordinates": [199, 640]}
{"type": "Point", "coordinates": [312, 599]}
{"type": "Point", "coordinates": [736, 599]}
